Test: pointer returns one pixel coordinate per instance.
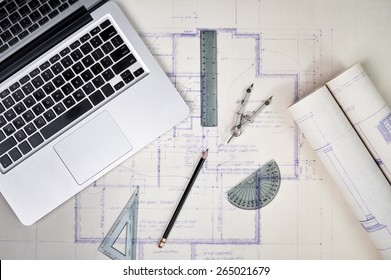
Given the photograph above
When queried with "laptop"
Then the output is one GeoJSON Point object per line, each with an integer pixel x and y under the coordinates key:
{"type": "Point", "coordinates": [79, 94]}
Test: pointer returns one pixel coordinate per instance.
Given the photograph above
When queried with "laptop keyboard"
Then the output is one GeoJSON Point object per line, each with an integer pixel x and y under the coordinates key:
{"type": "Point", "coordinates": [65, 88]}
{"type": "Point", "coordinates": [19, 18]}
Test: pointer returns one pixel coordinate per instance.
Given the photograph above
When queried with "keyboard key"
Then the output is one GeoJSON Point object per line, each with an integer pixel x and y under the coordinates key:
{"type": "Point", "coordinates": [63, 7]}
{"type": "Point", "coordinates": [14, 86]}
{"type": "Point", "coordinates": [95, 31]}
{"type": "Point", "coordinates": [57, 68]}
{"type": "Point", "coordinates": [68, 74]}
{"type": "Point", "coordinates": [10, 115]}
{"type": "Point", "coordinates": [127, 77]}
{"type": "Point", "coordinates": [37, 82]}
{"type": "Point", "coordinates": [119, 85]}
{"type": "Point", "coordinates": [124, 64]}
{"type": "Point", "coordinates": [77, 82]}
{"type": "Point", "coordinates": [18, 95]}
{"type": "Point", "coordinates": [108, 75]}
{"type": "Point", "coordinates": [108, 33]}
{"type": "Point", "coordinates": [78, 68]}
{"type": "Point", "coordinates": [86, 48]}
{"type": "Point", "coordinates": [53, 14]}
{"type": "Point", "coordinates": [105, 24]}
{"type": "Point", "coordinates": [65, 51]}
{"type": "Point", "coordinates": [120, 53]}
{"type": "Point", "coordinates": [107, 90]}
{"type": "Point", "coordinates": [18, 122]}
{"type": "Point", "coordinates": [67, 118]}
{"type": "Point", "coordinates": [96, 68]}
{"type": "Point", "coordinates": [35, 140]}
{"type": "Point", "coordinates": [9, 129]}
{"type": "Point", "coordinates": [55, 58]}
{"type": "Point", "coordinates": [28, 116]}
{"type": "Point", "coordinates": [87, 75]}
{"type": "Point", "coordinates": [34, 73]}
{"type": "Point", "coordinates": [98, 82]}
{"type": "Point", "coordinates": [2, 109]}
{"type": "Point", "coordinates": [67, 89]}
{"type": "Point", "coordinates": [66, 62]}
{"type": "Point", "coordinates": [2, 136]}
{"type": "Point", "coordinates": [87, 61]}
{"type": "Point", "coordinates": [49, 115]}
{"type": "Point", "coordinates": [39, 95]}
{"type": "Point", "coordinates": [24, 147]}
{"type": "Point", "coordinates": [15, 154]}
{"type": "Point", "coordinates": [107, 48]}
{"type": "Point", "coordinates": [45, 9]}
{"type": "Point", "coordinates": [96, 42]}
{"type": "Point", "coordinates": [5, 161]}
{"type": "Point", "coordinates": [106, 62]}
{"type": "Point", "coordinates": [48, 102]}
{"type": "Point", "coordinates": [47, 75]}
{"type": "Point", "coordinates": [30, 129]}
{"type": "Point", "coordinates": [39, 122]}
{"type": "Point", "coordinates": [38, 109]}
{"type": "Point", "coordinates": [29, 101]}
{"type": "Point", "coordinates": [69, 102]}
{"type": "Point", "coordinates": [78, 95]}
{"type": "Point", "coordinates": [48, 88]}
{"type": "Point", "coordinates": [43, 20]}
{"type": "Point", "coordinates": [8, 102]}
{"type": "Point", "coordinates": [98, 54]}
{"type": "Point", "coordinates": [88, 88]}
{"type": "Point", "coordinates": [24, 80]}
{"type": "Point", "coordinates": [19, 108]}
{"type": "Point", "coordinates": [20, 135]}
{"type": "Point", "coordinates": [97, 97]}
{"type": "Point", "coordinates": [7, 145]}
{"type": "Point", "coordinates": [27, 89]}
{"type": "Point", "coordinates": [76, 55]}
{"type": "Point", "coordinates": [74, 45]}
{"type": "Point", "coordinates": [33, 27]}
{"type": "Point", "coordinates": [57, 95]}
{"type": "Point", "coordinates": [138, 72]}
{"type": "Point", "coordinates": [2, 123]}
{"type": "Point", "coordinates": [85, 38]}
{"type": "Point", "coordinates": [59, 108]}
{"type": "Point", "coordinates": [4, 93]}
{"type": "Point", "coordinates": [117, 41]}
{"type": "Point", "coordinates": [58, 81]}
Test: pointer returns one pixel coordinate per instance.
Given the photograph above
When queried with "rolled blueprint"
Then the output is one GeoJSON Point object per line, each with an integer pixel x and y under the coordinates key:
{"type": "Point", "coordinates": [367, 111]}
{"type": "Point", "coordinates": [349, 163]}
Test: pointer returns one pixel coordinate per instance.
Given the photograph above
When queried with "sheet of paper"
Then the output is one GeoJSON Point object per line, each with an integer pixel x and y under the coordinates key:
{"type": "Point", "coordinates": [286, 48]}
{"type": "Point", "coordinates": [367, 111]}
{"type": "Point", "coordinates": [348, 161]}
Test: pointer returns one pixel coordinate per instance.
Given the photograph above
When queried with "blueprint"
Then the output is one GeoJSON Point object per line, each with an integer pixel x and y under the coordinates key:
{"type": "Point", "coordinates": [286, 49]}
{"type": "Point", "coordinates": [349, 162]}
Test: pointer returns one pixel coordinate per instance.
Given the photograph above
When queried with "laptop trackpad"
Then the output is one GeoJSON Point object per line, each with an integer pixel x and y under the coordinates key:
{"type": "Point", "coordinates": [93, 147]}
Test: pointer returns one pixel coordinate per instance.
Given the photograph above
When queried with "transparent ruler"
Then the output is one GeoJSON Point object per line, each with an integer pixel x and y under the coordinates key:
{"type": "Point", "coordinates": [208, 78]}
{"type": "Point", "coordinates": [257, 190]}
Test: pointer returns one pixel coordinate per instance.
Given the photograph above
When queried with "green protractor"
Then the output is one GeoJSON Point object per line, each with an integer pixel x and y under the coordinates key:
{"type": "Point", "coordinates": [258, 189]}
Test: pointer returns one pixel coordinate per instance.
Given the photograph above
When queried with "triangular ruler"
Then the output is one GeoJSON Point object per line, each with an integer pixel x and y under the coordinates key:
{"type": "Point", "coordinates": [125, 226]}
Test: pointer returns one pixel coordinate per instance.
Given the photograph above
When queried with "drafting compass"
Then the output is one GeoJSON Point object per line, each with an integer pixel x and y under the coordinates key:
{"type": "Point", "coordinates": [241, 118]}
{"type": "Point", "coordinates": [258, 189]}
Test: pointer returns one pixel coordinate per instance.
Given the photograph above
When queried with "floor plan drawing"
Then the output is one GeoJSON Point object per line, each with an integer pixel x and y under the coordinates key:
{"type": "Point", "coordinates": [286, 59]}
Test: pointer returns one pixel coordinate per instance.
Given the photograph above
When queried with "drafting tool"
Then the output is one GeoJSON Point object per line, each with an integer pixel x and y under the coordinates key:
{"type": "Point", "coordinates": [241, 118]}
{"type": "Point", "coordinates": [257, 190]}
{"type": "Point", "coordinates": [183, 199]}
{"type": "Point", "coordinates": [126, 221]}
{"type": "Point", "coordinates": [208, 78]}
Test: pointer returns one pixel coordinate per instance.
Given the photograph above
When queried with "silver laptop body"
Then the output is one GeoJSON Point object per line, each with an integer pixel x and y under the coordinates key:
{"type": "Point", "coordinates": [53, 146]}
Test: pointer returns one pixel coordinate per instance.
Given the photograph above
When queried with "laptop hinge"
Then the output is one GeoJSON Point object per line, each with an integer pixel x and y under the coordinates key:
{"type": "Point", "coordinates": [43, 43]}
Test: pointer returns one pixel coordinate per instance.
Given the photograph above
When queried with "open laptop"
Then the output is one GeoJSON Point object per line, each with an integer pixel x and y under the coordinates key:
{"type": "Point", "coordinates": [79, 93]}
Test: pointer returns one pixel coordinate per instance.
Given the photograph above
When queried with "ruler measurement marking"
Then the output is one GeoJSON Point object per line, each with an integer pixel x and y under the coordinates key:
{"type": "Point", "coordinates": [208, 78]}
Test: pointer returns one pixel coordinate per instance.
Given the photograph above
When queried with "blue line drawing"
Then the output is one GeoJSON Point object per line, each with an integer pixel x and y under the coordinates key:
{"type": "Point", "coordinates": [384, 128]}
